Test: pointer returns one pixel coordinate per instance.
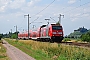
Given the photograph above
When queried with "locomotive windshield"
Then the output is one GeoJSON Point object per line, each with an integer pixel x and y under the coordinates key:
{"type": "Point", "coordinates": [56, 27]}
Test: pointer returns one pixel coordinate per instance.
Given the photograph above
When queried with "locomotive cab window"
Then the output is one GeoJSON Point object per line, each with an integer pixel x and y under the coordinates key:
{"type": "Point", "coordinates": [56, 27]}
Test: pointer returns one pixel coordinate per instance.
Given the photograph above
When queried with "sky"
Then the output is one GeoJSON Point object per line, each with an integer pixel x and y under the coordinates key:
{"type": "Point", "coordinates": [76, 14]}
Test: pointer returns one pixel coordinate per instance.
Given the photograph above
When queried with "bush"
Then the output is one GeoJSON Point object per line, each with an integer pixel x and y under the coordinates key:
{"type": "Point", "coordinates": [14, 36]}
{"type": "Point", "coordinates": [66, 39]}
{"type": "Point", "coordinates": [86, 37]}
{"type": "Point", "coordinates": [0, 36]}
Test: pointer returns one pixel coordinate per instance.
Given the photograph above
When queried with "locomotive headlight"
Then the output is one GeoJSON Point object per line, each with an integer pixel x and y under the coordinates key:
{"type": "Point", "coordinates": [54, 32]}
{"type": "Point", "coordinates": [59, 32]}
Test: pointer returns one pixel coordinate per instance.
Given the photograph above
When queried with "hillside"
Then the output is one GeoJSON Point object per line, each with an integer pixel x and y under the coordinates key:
{"type": "Point", "coordinates": [77, 33]}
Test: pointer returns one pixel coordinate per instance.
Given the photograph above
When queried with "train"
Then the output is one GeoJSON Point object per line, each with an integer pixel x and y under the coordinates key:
{"type": "Point", "coordinates": [52, 33]}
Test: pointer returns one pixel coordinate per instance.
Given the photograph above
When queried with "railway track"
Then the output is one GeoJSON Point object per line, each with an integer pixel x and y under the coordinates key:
{"type": "Point", "coordinates": [77, 44]}
{"type": "Point", "coordinates": [82, 44]}
{"type": "Point", "coordinates": [70, 43]}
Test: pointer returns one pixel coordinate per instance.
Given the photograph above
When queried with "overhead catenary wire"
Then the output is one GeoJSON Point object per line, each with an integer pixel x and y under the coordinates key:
{"type": "Point", "coordinates": [42, 10]}
{"type": "Point", "coordinates": [76, 7]}
{"type": "Point", "coordinates": [35, 19]}
{"type": "Point", "coordinates": [52, 19]}
{"type": "Point", "coordinates": [45, 8]}
{"type": "Point", "coordinates": [64, 8]}
{"type": "Point", "coordinates": [80, 14]}
{"type": "Point", "coordinates": [69, 5]}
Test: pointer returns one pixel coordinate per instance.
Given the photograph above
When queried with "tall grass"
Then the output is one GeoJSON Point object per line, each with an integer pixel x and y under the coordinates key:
{"type": "Point", "coordinates": [3, 55]}
{"type": "Point", "coordinates": [54, 51]}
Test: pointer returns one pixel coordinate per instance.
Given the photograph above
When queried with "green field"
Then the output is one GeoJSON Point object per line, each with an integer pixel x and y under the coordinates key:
{"type": "Point", "coordinates": [3, 55]}
{"type": "Point", "coordinates": [51, 51]}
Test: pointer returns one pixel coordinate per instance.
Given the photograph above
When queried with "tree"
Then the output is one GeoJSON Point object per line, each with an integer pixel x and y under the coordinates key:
{"type": "Point", "coordinates": [14, 36]}
{"type": "Point", "coordinates": [86, 37]}
{"type": "Point", "coordinates": [0, 36]}
{"type": "Point", "coordinates": [57, 23]}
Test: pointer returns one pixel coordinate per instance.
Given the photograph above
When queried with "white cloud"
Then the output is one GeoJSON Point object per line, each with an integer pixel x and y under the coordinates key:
{"type": "Point", "coordinates": [16, 4]}
{"type": "Point", "coordinates": [4, 2]}
{"type": "Point", "coordinates": [2, 9]}
{"type": "Point", "coordinates": [19, 14]}
{"type": "Point", "coordinates": [85, 15]}
{"type": "Point", "coordinates": [39, 15]}
{"type": "Point", "coordinates": [3, 5]}
{"type": "Point", "coordinates": [58, 0]}
{"type": "Point", "coordinates": [8, 20]}
{"type": "Point", "coordinates": [71, 1]}
{"type": "Point", "coordinates": [32, 2]}
{"type": "Point", "coordinates": [74, 19]}
{"type": "Point", "coordinates": [56, 14]}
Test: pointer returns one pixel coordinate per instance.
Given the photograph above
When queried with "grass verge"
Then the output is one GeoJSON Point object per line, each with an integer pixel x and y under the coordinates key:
{"type": "Point", "coordinates": [51, 51]}
{"type": "Point", "coordinates": [3, 55]}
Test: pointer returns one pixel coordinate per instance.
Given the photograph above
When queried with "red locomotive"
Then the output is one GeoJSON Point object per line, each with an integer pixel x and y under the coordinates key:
{"type": "Point", "coordinates": [52, 33]}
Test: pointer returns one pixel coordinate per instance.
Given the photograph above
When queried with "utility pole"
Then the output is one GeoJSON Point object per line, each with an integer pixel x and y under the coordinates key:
{"type": "Point", "coordinates": [34, 26]}
{"type": "Point", "coordinates": [28, 24]}
{"type": "Point", "coordinates": [47, 20]}
{"type": "Point", "coordinates": [23, 30]}
{"type": "Point", "coordinates": [60, 18]}
{"type": "Point", "coordinates": [16, 32]}
{"type": "Point", "coordinates": [11, 33]}
{"type": "Point", "coordinates": [47, 26]}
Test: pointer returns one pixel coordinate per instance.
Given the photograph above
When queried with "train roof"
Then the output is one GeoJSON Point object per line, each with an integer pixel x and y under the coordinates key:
{"type": "Point", "coordinates": [55, 24]}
